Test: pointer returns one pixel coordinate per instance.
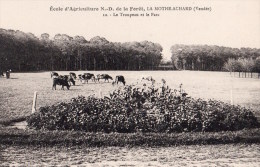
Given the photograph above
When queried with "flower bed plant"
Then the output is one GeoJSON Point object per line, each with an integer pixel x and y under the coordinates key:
{"type": "Point", "coordinates": [143, 108]}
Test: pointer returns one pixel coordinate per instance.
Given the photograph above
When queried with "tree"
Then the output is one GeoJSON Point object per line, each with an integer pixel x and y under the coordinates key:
{"type": "Point", "coordinates": [247, 65]}
{"type": "Point", "coordinates": [64, 43]}
{"type": "Point", "coordinates": [257, 66]}
{"type": "Point", "coordinates": [78, 43]}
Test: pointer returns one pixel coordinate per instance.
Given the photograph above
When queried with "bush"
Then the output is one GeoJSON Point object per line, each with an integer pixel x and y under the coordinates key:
{"type": "Point", "coordinates": [143, 108]}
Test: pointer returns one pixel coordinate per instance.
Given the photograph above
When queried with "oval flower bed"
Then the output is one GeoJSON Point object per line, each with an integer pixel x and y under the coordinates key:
{"type": "Point", "coordinates": [145, 108]}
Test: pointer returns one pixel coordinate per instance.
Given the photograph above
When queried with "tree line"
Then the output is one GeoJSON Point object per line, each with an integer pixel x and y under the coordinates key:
{"type": "Point", "coordinates": [214, 58]}
{"type": "Point", "coordinates": [21, 51]}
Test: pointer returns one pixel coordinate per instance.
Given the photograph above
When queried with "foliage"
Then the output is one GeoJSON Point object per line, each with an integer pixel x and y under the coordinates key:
{"type": "Point", "coordinates": [21, 51]}
{"type": "Point", "coordinates": [211, 58]}
{"type": "Point", "coordinates": [247, 65]}
{"type": "Point", "coordinates": [257, 65]}
{"type": "Point", "coordinates": [233, 65]}
{"type": "Point", "coordinates": [242, 65]}
{"type": "Point", "coordinates": [143, 108]}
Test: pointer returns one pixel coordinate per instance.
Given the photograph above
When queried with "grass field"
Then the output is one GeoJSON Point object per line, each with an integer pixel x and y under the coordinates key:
{"type": "Point", "coordinates": [204, 155]}
{"type": "Point", "coordinates": [16, 93]}
{"type": "Point", "coordinates": [30, 147]}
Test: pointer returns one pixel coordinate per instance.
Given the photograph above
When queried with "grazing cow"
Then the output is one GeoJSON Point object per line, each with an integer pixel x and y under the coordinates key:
{"type": "Point", "coordinates": [54, 74]}
{"type": "Point", "coordinates": [60, 81]}
{"type": "Point", "coordinates": [73, 75]}
{"type": "Point", "coordinates": [106, 77]}
{"type": "Point", "coordinates": [69, 79]}
{"type": "Point", "coordinates": [87, 76]}
{"type": "Point", "coordinates": [119, 78]}
{"type": "Point", "coordinates": [81, 77]}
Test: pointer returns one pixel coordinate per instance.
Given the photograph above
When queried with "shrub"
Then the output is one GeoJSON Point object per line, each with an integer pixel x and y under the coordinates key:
{"type": "Point", "coordinates": [143, 108]}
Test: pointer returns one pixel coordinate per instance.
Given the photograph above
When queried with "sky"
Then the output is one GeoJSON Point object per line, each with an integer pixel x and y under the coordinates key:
{"type": "Point", "coordinates": [230, 23]}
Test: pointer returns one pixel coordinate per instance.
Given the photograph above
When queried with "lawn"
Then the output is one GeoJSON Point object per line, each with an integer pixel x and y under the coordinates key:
{"type": "Point", "coordinates": [201, 155]}
{"type": "Point", "coordinates": [27, 147]}
{"type": "Point", "coordinates": [16, 94]}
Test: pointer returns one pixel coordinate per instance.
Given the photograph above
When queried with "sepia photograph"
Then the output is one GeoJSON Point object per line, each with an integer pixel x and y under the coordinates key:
{"type": "Point", "coordinates": [160, 83]}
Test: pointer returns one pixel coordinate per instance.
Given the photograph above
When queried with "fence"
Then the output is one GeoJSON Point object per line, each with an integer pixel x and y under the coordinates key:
{"type": "Point", "coordinates": [245, 74]}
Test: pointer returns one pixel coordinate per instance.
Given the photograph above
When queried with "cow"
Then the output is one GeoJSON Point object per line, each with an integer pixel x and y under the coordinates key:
{"type": "Point", "coordinates": [69, 78]}
{"type": "Point", "coordinates": [54, 74]}
{"type": "Point", "coordinates": [81, 77]}
{"type": "Point", "coordinates": [7, 74]}
{"type": "Point", "coordinates": [119, 78]}
{"type": "Point", "coordinates": [60, 81]}
{"type": "Point", "coordinates": [1, 73]}
{"type": "Point", "coordinates": [106, 77]}
{"type": "Point", "coordinates": [73, 75]}
{"type": "Point", "coordinates": [87, 76]}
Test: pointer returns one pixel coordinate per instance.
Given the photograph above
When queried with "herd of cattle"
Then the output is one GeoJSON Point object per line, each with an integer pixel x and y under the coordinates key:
{"type": "Point", "coordinates": [68, 80]}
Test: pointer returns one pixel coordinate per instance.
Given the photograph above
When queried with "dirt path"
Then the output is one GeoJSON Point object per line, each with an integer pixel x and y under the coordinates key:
{"type": "Point", "coordinates": [209, 155]}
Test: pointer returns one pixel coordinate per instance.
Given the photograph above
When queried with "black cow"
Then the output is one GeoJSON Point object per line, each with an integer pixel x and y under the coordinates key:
{"type": "Point", "coordinates": [60, 81]}
{"type": "Point", "coordinates": [106, 77]}
{"type": "Point", "coordinates": [54, 74]}
{"type": "Point", "coordinates": [87, 76]}
{"type": "Point", "coordinates": [119, 78]}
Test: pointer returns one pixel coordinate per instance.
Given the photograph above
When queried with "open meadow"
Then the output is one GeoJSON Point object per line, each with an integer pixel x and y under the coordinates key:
{"type": "Point", "coordinates": [16, 96]}
{"type": "Point", "coordinates": [16, 93]}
